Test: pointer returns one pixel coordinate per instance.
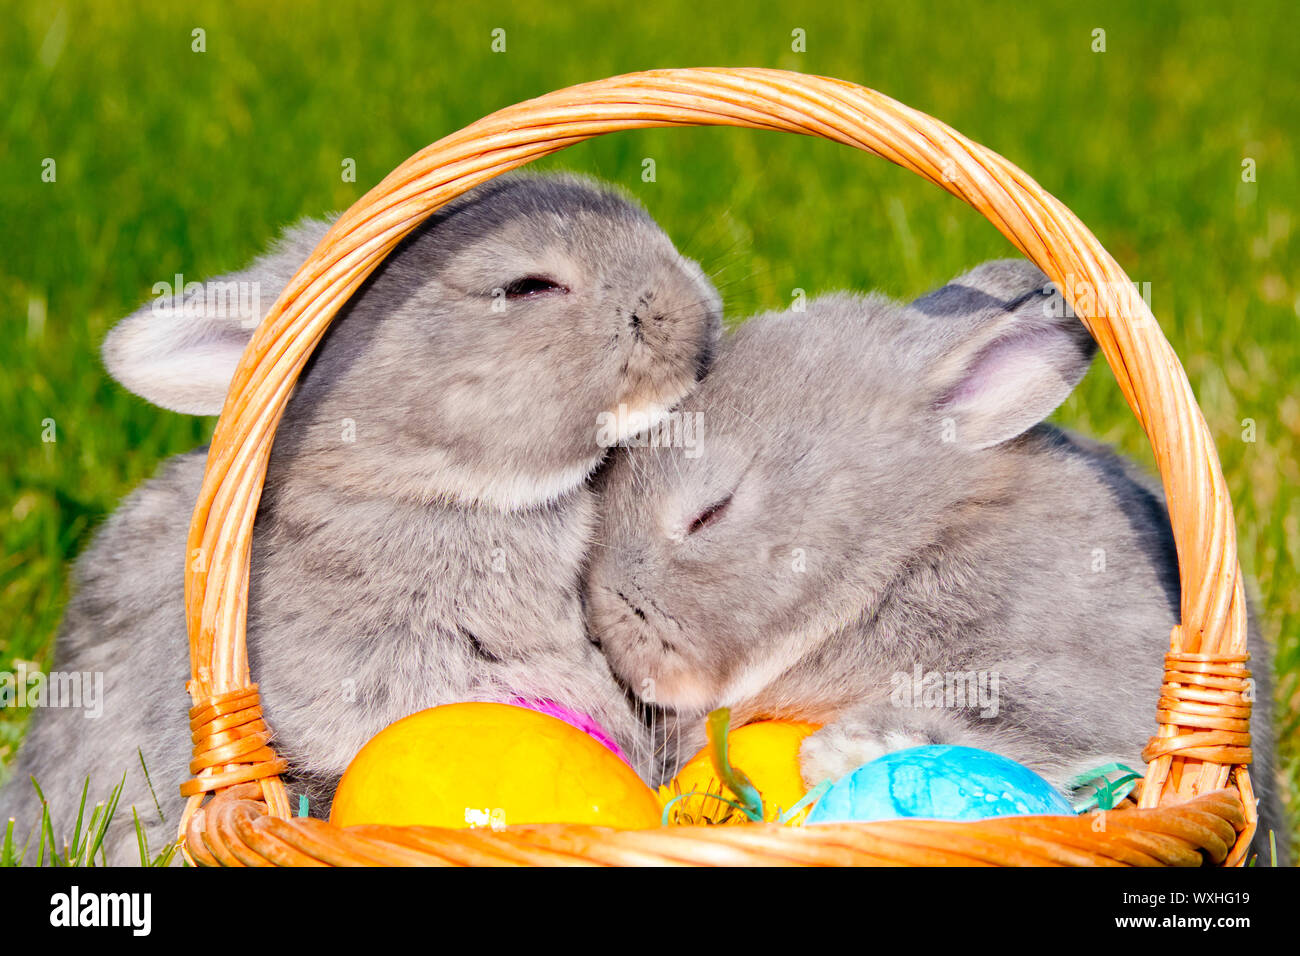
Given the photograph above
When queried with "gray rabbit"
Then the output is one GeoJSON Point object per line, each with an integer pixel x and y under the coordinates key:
{"type": "Point", "coordinates": [426, 514]}
{"type": "Point", "coordinates": [874, 510]}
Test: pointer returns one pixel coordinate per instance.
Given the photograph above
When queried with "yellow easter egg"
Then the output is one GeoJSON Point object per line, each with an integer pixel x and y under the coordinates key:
{"type": "Point", "coordinates": [767, 752]}
{"type": "Point", "coordinates": [490, 764]}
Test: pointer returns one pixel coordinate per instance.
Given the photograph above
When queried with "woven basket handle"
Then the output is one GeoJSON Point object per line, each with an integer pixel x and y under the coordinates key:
{"type": "Point", "coordinates": [1203, 712]}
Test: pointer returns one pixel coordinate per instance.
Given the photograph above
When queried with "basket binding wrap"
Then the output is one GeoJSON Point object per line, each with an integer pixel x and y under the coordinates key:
{"type": "Point", "coordinates": [1196, 802]}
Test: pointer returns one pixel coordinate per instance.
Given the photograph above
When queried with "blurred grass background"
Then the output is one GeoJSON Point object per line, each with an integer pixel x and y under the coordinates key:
{"type": "Point", "coordinates": [170, 160]}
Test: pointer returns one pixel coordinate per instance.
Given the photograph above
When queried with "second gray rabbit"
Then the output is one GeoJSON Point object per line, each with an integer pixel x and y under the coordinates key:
{"type": "Point", "coordinates": [874, 504]}
{"type": "Point", "coordinates": [426, 514]}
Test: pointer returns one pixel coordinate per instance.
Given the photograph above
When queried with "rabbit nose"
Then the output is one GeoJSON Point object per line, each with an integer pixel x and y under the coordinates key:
{"type": "Point", "coordinates": [643, 311]}
{"type": "Point", "coordinates": [639, 317]}
{"type": "Point", "coordinates": [635, 610]}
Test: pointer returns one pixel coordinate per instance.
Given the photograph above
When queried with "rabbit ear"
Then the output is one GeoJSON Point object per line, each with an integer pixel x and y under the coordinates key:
{"type": "Point", "coordinates": [1010, 351]}
{"type": "Point", "coordinates": [178, 354]}
{"type": "Point", "coordinates": [180, 351]}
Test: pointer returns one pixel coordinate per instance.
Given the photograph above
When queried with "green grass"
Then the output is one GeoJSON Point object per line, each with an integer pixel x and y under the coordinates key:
{"type": "Point", "coordinates": [85, 846]}
{"type": "Point", "coordinates": [174, 161]}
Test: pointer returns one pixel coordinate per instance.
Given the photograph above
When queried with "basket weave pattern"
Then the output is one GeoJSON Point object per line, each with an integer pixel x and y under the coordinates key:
{"type": "Point", "coordinates": [1196, 799]}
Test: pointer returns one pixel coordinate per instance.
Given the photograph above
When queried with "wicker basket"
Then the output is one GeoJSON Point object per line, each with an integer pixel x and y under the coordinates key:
{"type": "Point", "coordinates": [1196, 804]}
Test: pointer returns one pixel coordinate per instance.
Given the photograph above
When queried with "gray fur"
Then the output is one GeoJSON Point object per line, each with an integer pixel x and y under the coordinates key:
{"type": "Point", "coordinates": [435, 558]}
{"type": "Point", "coordinates": [895, 454]}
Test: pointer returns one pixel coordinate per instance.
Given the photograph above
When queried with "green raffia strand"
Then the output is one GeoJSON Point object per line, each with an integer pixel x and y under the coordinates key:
{"type": "Point", "coordinates": [665, 818]}
{"type": "Point", "coordinates": [302, 804]}
{"type": "Point", "coordinates": [1106, 792]}
{"type": "Point", "coordinates": [809, 798]}
{"type": "Point", "coordinates": [734, 779]}
{"type": "Point", "coordinates": [812, 796]}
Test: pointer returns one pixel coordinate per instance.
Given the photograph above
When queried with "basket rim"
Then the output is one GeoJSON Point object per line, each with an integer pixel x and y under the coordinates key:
{"type": "Point", "coordinates": [1201, 743]}
{"type": "Point", "coordinates": [235, 829]}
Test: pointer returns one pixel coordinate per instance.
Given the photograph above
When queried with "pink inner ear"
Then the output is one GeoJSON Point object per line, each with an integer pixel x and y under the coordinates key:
{"type": "Point", "coordinates": [1001, 373]}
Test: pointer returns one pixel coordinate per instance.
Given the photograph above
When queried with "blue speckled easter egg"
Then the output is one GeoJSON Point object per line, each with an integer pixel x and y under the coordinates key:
{"type": "Point", "coordinates": [938, 783]}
